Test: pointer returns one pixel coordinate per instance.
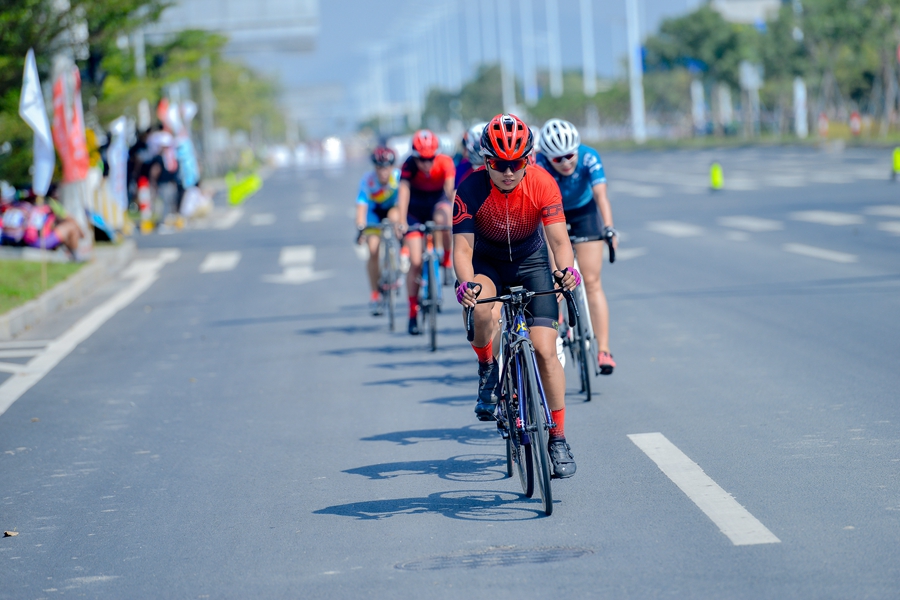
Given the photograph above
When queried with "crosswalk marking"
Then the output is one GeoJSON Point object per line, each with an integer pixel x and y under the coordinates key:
{"type": "Point", "coordinates": [312, 214]}
{"type": "Point", "coordinates": [889, 210]}
{"type": "Point", "coordinates": [297, 263]}
{"type": "Point", "coordinates": [220, 261]}
{"type": "Point", "coordinates": [23, 353]}
{"type": "Point", "coordinates": [297, 255]}
{"type": "Point", "coordinates": [262, 219]}
{"type": "Point", "coordinates": [890, 227]}
{"type": "Point", "coordinates": [752, 224]}
{"type": "Point", "coordinates": [229, 219]}
{"type": "Point", "coordinates": [732, 519]}
{"type": "Point", "coordinates": [675, 228]}
{"type": "Point", "coordinates": [827, 217]}
{"type": "Point", "coordinates": [822, 253]}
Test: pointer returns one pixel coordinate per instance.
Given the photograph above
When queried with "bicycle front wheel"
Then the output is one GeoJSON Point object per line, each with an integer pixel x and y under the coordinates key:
{"type": "Point", "coordinates": [392, 278]}
{"type": "Point", "coordinates": [537, 422]}
{"type": "Point", "coordinates": [519, 452]}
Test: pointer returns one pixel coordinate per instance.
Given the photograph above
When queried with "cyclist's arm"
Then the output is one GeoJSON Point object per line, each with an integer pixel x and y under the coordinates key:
{"type": "Point", "coordinates": [362, 212]}
{"type": "Point", "coordinates": [403, 201]}
{"type": "Point", "coordinates": [450, 187]}
{"type": "Point", "coordinates": [463, 245]}
{"type": "Point", "coordinates": [558, 241]}
{"type": "Point", "coordinates": [605, 207]}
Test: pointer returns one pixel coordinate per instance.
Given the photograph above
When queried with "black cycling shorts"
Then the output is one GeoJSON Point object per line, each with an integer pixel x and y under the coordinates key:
{"type": "Point", "coordinates": [422, 205]}
{"type": "Point", "coordinates": [585, 222]}
{"type": "Point", "coordinates": [533, 273]}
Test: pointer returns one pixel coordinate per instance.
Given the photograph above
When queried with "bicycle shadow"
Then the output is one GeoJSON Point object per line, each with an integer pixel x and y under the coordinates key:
{"type": "Point", "coordinates": [478, 435]}
{"type": "Point", "coordinates": [446, 379]}
{"type": "Point", "coordinates": [471, 467]}
{"type": "Point", "coordinates": [345, 329]}
{"type": "Point", "coordinates": [466, 400]}
{"type": "Point", "coordinates": [469, 505]}
{"type": "Point", "coordinates": [455, 362]}
{"type": "Point", "coordinates": [391, 350]}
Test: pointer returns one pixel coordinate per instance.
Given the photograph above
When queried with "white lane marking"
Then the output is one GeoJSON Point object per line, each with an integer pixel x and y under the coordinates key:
{"type": "Point", "coordinates": [732, 519]}
{"type": "Point", "coordinates": [827, 217]}
{"type": "Point", "coordinates": [148, 266]}
{"type": "Point", "coordinates": [786, 180]}
{"type": "Point", "coordinates": [629, 253]}
{"type": "Point", "coordinates": [262, 219]}
{"type": "Point", "coordinates": [741, 184]}
{"type": "Point", "coordinates": [675, 228]}
{"type": "Point", "coordinates": [297, 255]}
{"type": "Point", "coordinates": [13, 388]}
{"type": "Point", "coordinates": [313, 213]}
{"type": "Point", "coordinates": [635, 189]}
{"type": "Point", "coordinates": [24, 344]}
{"type": "Point", "coordinates": [814, 252]}
{"type": "Point", "coordinates": [737, 236]}
{"type": "Point", "coordinates": [890, 227]}
{"type": "Point", "coordinates": [220, 261]}
{"type": "Point", "coordinates": [888, 210]}
{"type": "Point", "coordinates": [297, 276]}
{"type": "Point", "coordinates": [6, 367]}
{"type": "Point", "coordinates": [22, 353]}
{"type": "Point", "coordinates": [751, 224]}
{"type": "Point", "coordinates": [297, 262]}
{"type": "Point", "coordinates": [230, 219]}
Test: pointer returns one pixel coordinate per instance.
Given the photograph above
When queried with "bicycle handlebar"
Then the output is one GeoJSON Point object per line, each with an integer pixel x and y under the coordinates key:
{"type": "Point", "coordinates": [594, 238]}
{"type": "Point", "coordinates": [571, 307]}
{"type": "Point", "coordinates": [428, 227]}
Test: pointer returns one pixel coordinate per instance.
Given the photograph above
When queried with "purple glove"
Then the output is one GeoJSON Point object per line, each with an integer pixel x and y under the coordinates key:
{"type": "Point", "coordinates": [576, 275]}
{"type": "Point", "coordinates": [461, 291]}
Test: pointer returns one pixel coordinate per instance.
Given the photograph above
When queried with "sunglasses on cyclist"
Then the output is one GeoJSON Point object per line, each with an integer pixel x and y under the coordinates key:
{"type": "Point", "coordinates": [424, 160]}
{"type": "Point", "coordinates": [501, 166]}
{"type": "Point", "coordinates": [564, 157]}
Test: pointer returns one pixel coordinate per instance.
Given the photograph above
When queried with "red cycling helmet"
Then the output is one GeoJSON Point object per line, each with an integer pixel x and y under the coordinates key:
{"type": "Point", "coordinates": [425, 144]}
{"type": "Point", "coordinates": [506, 137]}
{"type": "Point", "coordinates": [382, 156]}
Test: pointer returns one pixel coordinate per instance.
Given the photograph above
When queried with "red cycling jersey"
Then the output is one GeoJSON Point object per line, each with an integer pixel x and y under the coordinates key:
{"type": "Point", "coordinates": [432, 181]}
{"type": "Point", "coordinates": [507, 225]}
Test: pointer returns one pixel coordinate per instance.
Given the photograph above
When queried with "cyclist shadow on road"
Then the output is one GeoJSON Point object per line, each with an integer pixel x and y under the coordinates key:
{"type": "Point", "coordinates": [478, 435]}
{"type": "Point", "coordinates": [411, 348]}
{"type": "Point", "coordinates": [437, 362]}
{"type": "Point", "coordinates": [446, 379]}
{"type": "Point", "coordinates": [466, 400]}
{"type": "Point", "coordinates": [471, 467]}
{"type": "Point", "coordinates": [345, 329]}
{"type": "Point", "coordinates": [469, 505]}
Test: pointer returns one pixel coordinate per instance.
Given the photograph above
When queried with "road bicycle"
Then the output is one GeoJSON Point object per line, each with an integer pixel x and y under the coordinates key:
{"type": "Point", "coordinates": [523, 416]}
{"type": "Point", "coordinates": [391, 277]}
{"type": "Point", "coordinates": [431, 290]}
{"type": "Point", "coordinates": [579, 338]}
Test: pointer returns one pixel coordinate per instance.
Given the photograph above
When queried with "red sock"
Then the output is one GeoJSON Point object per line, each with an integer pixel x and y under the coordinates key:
{"type": "Point", "coordinates": [376, 296]}
{"type": "Point", "coordinates": [485, 354]}
{"type": "Point", "coordinates": [413, 307]}
{"type": "Point", "coordinates": [446, 258]}
{"type": "Point", "coordinates": [559, 417]}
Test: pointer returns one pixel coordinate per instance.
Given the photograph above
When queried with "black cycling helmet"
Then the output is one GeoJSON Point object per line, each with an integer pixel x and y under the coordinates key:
{"type": "Point", "coordinates": [383, 156]}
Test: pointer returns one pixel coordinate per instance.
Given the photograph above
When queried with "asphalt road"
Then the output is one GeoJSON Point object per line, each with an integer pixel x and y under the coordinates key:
{"type": "Point", "coordinates": [243, 428]}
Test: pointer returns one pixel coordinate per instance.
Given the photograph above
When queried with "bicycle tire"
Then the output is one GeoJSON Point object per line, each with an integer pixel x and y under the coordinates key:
{"type": "Point", "coordinates": [535, 413]}
{"type": "Point", "coordinates": [432, 302]}
{"type": "Point", "coordinates": [520, 453]}
{"type": "Point", "coordinates": [583, 341]}
{"type": "Point", "coordinates": [391, 292]}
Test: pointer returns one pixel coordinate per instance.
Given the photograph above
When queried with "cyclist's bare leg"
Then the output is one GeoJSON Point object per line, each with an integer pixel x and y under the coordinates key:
{"type": "Point", "coordinates": [483, 319]}
{"type": "Point", "coordinates": [552, 375]}
{"type": "Point", "coordinates": [590, 261]}
{"type": "Point", "coordinates": [414, 243]}
{"type": "Point", "coordinates": [442, 216]}
{"type": "Point", "coordinates": [373, 241]}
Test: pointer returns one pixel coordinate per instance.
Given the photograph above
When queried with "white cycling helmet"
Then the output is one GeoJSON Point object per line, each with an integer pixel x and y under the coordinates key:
{"type": "Point", "coordinates": [473, 144]}
{"type": "Point", "coordinates": [559, 138]}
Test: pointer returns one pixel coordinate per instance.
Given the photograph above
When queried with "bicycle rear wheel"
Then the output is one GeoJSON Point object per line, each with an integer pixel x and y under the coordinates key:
{"type": "Point", "coordinates": [537, 420]}
{"type": "Point", "coordinates": [392, 279]}
{"type": "Point", "coordinates": [433, 283]}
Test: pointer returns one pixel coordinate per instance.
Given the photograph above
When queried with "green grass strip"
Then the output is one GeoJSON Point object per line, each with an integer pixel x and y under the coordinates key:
{"type": "Point", "coordinates": [20, 281]}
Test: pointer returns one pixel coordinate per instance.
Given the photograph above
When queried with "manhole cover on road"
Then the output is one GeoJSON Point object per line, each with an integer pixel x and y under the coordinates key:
{"type": "Point", "coordinates": [494, 556]}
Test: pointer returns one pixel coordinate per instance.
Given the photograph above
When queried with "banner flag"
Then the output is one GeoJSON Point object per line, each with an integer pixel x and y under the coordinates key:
{"type": "Point", "coordinates": [33, 112]}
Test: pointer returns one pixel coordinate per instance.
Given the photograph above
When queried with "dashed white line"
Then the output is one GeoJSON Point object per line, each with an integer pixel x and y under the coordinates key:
{"type": "Point", "coordinates": [752, 224]}
{"type": "Point", "coordinates": [826, 217]}
{"type": "Point", "coordinates": [297, 255]}
{"type": "Point", "coordinates": [822, 253]}
{"type": "Point", "coordinates": [297, 262]}
{"type": "Point", "coordinates": [888, 210]}
{"type": "Point", "coordinates": [22, 353]}
{"type": "Point", "coordinates": [230, 219]}
{"type": "Point", "coordinates": [890, 227]}
{"type": "Point", "coordinates": [313, 213]}
{"type": "Point", "coordinates": [629, 253]}
{"type": "Point", "coordinates": [732, 519]}
{"type": "Point", "coordinates": [220, 261]}
{"type": "Point", "coordinates": [675, 228]}
{"type": "Point", "coordinates": [262, 219]}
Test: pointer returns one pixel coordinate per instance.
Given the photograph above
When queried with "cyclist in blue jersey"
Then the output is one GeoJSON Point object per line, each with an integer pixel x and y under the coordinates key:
{"type": "Point", "coordinates": [376, 201]}
{"type": "Point", "coordinates": [579, 173]}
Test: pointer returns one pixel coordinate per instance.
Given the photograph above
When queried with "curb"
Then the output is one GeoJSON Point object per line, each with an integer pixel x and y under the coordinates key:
{"type": "Point", "coordinates": [106, 264]}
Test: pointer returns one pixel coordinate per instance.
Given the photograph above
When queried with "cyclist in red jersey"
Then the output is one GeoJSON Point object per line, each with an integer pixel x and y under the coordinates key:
{"type": "Point", "coordinates": [497, 243]}
{"type": "Point", "coordinates": [426, 184]}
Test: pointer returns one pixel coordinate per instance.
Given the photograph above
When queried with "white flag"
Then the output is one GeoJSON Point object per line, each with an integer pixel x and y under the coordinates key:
{"type": "Point", "coordinates": [32, 111]}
